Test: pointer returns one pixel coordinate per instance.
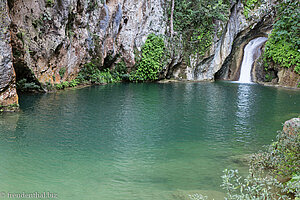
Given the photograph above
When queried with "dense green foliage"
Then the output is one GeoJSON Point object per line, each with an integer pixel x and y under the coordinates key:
{"type": "Point", "coordinates": [250, 5]}
{"type": "Point", "coordinates": [90, 73]}
{"type": "Point", "coordinates": [11, 107]}
{"type": "Point", "coordinates": [62, 72]}
{"type": "Point", "coordinates": [151, 60]}
{"type": "Point", "coordinates": [283, 46]}
{"type": "Point", "coordinates": [282, 158]}
{"type": "Point", "coordinates": [24, 86]}
{"type": "Point", "coordinates": [67, 84]}
{"type": "Point", "coordinates": [121, 72]}
{"type": "Point", "coordinates": [195, 21]}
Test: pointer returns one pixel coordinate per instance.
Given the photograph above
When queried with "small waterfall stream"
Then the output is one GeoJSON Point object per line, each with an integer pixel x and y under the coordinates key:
{"type": "Point", "coordinates": [251, 52]}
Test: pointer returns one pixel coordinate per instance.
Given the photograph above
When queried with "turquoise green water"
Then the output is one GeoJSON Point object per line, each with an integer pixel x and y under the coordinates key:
{"type": "Point", "coordinates": [137, 141]}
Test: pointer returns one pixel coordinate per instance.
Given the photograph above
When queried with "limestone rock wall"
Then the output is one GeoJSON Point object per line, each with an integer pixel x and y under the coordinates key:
{"type": "Point", "coordinates": [8, 93]}
{"type": "Point", "coordinates": [53, 35]}
{"type": "Point", "coordinates": [237, 27]}
{"type": "Point", "coordinates": [288, 78]}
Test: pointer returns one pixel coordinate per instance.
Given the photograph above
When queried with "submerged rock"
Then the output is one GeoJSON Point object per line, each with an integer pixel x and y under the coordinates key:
{"type": "Point", "coordinates": [241, 160]}
{"type": "Point", "coordinates": [188, 194]}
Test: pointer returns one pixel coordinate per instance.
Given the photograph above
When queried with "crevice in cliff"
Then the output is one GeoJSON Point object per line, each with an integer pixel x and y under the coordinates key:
{"type": "Point", "coordinates": [109, 61]}
{"type": "Point", "coordinates": [25, 79]}
{"type": "Point", "coordinates": [230, 69]}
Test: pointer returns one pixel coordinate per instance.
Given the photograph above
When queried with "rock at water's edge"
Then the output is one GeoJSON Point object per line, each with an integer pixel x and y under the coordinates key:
{"type": "Point", "coordinates": [8, 93]}
{"type": "Point", "coordinates": [292, 126]}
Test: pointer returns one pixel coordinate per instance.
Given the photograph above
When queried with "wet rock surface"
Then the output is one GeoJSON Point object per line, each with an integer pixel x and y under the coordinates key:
{"type": "Point", "coordinates": [8, 94]}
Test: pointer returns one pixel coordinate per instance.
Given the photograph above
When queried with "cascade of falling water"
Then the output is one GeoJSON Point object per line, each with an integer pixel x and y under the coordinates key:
{"type": "Point", "coordinates": [251, 52]}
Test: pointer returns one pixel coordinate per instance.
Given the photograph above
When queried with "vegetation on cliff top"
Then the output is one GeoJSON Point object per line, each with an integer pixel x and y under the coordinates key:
{"type": "Point", "coordinates": [197, 32]}
{"type": "Point", "coordinates": [283, 46]}
{"type": "Point", "coordinates": [249, 5]}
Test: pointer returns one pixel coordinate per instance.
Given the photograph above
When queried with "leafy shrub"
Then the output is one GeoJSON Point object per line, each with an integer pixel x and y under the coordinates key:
{"type": "Point", "coordinates": [24, 86]}
{"type": "Point", "coordinates": [120, 72]}
{"type": "Point", "coordinates": [59, 86]}
{"type": "Point", "coordinates": [151, 61]}
{"type": "Point", "coordinates": [90, 73]}
{"type": "Point", "coordinates": [282, 158]}
{"type": "Point", "coordinates": [62, 85]}
{"type": "Point", "coordinates": [251, 187]}
{"type": "Point", "coordinates": [73, 83]}
{"type": "Point", "coordinates": [49, 3]}
{"type": "Point", "coordinates": [250, 5]}
{"type": "Point", "coordinates": [268, 77]}
{"type": "Point", "coordinates": [197, 32]}
{"type": "Point", "coordinates": [10, 108]}
{"type": "Point", "coordinates": [62, 72]}
{"type": "Point", "coordinates": [283, 45]}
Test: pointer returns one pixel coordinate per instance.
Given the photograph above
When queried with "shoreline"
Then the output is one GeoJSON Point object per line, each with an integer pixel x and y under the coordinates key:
{"type": "Point", "coordinates": [15, 108]}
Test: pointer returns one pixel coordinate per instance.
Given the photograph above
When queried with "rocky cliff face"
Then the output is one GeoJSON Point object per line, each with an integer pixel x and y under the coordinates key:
{"type": "Point", "coordinates": [225, 59]}
{"type": "Point", "coordinates": [53, 35]}
{"type": "Point", "coordinates": [8, 93]}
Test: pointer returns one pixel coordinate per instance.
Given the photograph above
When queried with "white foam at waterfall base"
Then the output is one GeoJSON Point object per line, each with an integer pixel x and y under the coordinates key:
{"type": "Point", "coordinates": [250, 54]}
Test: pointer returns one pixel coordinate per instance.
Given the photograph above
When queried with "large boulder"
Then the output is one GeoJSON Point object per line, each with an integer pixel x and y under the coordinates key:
{"type": "Point", "coordinates": [292, 126]}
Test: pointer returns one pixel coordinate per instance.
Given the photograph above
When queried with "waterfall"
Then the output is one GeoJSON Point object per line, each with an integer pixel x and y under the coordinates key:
{"type": "Point", "coordinates": [251, 52]}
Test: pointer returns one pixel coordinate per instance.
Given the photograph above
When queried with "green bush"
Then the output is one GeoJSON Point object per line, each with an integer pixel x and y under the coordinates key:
{"type": "Point", "coordinates": [283, 45]}
{"type": "Point", "coordinates": [151, 62]}
{"type": "Point", "coordinates": [90, 73]}
{"type": "Point", "coordinates": [250, 5]}
{"type": "Point", "coordinates": [73, 83]}
{"type": "Point", "coordinates": [25, 86]}
{"type": "Point", "coordinates": [282, 158]}
{"type": "Point", "coordinates": [194, 21]}
{"type": "Point", "coordinates": [268, 77]}
{"type": "Point", "coordinates": [120, 73]}
{"type": "Point", "coordinates": [49, 3]}
{"type": "Point", "coordinates": [59, 86]}
{"type": "Point", "coordinates": [62, 85]}
{"type": "Point", "coordinates": [62, 72]}
{"type": "Point", "coordinates": [252, 187]}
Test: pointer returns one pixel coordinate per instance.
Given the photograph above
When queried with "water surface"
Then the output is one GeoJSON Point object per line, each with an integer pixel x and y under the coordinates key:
{"type": "Point", "coordinates": [137, 141]}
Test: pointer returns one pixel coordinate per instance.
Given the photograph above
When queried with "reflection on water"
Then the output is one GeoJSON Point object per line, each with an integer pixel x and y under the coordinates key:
{"type": "Point", "coordinates": [244, 101]}
{"type": "Point", "coordinates": [137, 141]}
{"type": "Point", "coordinates": [245, 108]}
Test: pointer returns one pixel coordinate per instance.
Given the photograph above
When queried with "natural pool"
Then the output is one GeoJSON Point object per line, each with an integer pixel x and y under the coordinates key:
{"type": "Point", "coordinates": [137, 141]}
